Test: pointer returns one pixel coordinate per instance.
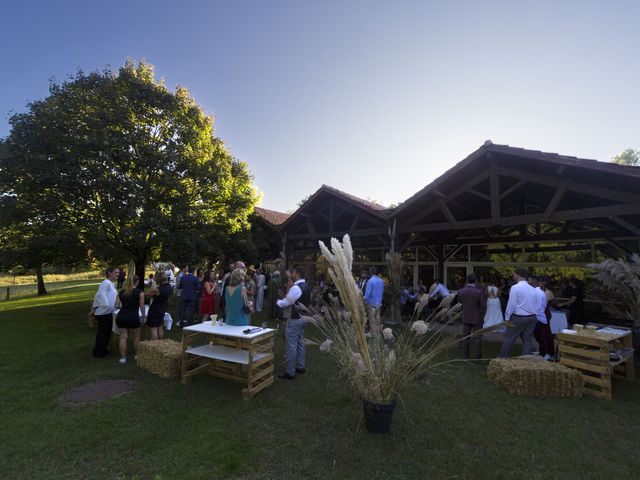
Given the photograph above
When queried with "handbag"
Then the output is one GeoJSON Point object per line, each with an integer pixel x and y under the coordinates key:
{"type": "Point", "coordinates": [92, 322]}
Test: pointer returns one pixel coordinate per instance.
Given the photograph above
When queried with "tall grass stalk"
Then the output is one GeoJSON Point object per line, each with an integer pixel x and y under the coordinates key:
{"type": "Point", "coordinates": [378, 365]}
{"type": "Point", "coordinates": [620, 287]}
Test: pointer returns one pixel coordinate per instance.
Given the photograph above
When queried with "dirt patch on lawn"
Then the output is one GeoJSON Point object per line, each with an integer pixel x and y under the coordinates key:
{"type": "Point", "coordinates": [96, 392]}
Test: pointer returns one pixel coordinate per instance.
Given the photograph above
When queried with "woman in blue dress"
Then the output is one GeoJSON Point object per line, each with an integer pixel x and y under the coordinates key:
{"type": "Point", "coordinates": [236, 300]}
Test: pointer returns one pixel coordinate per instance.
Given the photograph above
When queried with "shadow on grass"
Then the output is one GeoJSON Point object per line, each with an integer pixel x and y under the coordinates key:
{"type": "Point", "coordinates": [452, 424]}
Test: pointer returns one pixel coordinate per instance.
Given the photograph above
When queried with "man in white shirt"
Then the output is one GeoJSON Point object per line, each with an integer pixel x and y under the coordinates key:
{"type": "Point", "coordinates": [104, 304]}
{"type": "Point", "coordinates": [521, 314]}
{"type": "Point", "coordinates": [294, 330]}
{"type": "Point", "coordinates": [436, 293]}
{"type": "Point", "coordinates": [170, 276]}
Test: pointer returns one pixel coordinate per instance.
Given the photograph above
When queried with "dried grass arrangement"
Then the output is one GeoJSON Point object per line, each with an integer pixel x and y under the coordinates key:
{"type": "Point", "coordinates": [620, 282]}
{"type": "Point", "coordinates": [160, 357]}
{"type": "Point", "coordinates": [379, 365]}
{"type": "Point", "coordinates": [534, 376]}
{"type": "Point", "coordinates": [394, 271]}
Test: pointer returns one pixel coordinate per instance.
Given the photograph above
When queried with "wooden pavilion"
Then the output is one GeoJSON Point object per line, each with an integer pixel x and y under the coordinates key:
{"type": "Point", "coordinates": [499, 207]}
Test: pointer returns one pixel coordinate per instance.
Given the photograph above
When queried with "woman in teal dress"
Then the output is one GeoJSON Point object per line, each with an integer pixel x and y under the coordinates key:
{"type": "Point", "coordinates": [236, 298]}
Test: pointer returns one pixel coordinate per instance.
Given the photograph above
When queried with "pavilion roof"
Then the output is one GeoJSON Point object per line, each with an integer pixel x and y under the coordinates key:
{"type": "Point", "coordinates": [271, 216]}
{"type": "Point", "coordinates": [479, 155]}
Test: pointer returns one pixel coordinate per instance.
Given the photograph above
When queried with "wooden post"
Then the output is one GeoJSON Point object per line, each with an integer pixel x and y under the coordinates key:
{"type": "Point", "coordinates": [8, 292]}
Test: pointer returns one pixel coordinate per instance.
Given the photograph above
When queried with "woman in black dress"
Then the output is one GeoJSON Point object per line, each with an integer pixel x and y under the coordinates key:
{"type": "Point", "coordinates": [130, 300]}
{"type": "Point", "coordinates": [158, 307]}
{"type": "Point", "coordinates": [575, 293]}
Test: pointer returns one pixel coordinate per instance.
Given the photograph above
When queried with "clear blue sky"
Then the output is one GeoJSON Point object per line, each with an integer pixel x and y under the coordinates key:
{"type": "Point", "coordinates": [374, 98]}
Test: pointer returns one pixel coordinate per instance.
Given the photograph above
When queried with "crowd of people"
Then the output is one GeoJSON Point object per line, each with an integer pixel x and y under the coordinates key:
{"type": "Point", "coordinates": [487, 304]}
{"type": "Point", "coordinates": [525, 305]}
{"type": "Point", "coordinates": [234, 298]}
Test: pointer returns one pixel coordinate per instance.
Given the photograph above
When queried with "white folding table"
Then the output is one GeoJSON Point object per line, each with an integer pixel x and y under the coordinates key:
{"type": "Point", "coordinates": [228, 352]}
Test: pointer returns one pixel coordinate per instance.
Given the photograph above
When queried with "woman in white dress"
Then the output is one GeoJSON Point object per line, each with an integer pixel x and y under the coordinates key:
{"type": "Point", "coordinates": [260, 290]}
{"type": "Point", "coordinates": [494, 310]}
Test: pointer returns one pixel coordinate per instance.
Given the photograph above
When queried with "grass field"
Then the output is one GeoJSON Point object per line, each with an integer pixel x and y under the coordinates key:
{"type": "Point", "coordinates": [454, 425]}
{"type": "Point", "coordinates": [7, 279]}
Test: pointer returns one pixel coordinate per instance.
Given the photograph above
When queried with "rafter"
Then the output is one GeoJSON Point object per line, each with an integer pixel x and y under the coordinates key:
{"type": "Point", "coordinates": [449, 196]}
{"type": "Point", "coordinates": [447, 213]}
{"type": "Point", "coordinates": [555, 201]}
{"type": "Point", "coordinates": [479, 194]}
{"type": "Point", "coordinates": [512, 189]}
{"type": "Point", "coordinates": [564, 215]}
{"type": "Point", "coordinates": [572, 186]}
{"type": "Point", "coordinates": [494, 184]}
{"type": "Point", "coordinates": [626, 225]}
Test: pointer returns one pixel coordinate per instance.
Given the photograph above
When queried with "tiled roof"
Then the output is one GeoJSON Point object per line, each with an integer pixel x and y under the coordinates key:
{"type": "Point", "coordinates": [271, 216]}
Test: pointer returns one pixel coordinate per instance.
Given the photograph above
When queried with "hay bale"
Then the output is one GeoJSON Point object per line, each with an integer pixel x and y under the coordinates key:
{"type": "Point", "coordinates": [160, 357]}
{"type": "Point", "coordinates": [534, 376]}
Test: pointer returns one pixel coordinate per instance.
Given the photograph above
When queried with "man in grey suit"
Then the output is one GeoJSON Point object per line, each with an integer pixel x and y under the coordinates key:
{"type": "Point", "coordinates": [474, 306]}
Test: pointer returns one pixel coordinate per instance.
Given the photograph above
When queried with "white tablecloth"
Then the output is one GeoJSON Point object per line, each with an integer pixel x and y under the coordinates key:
{"type": "Point", "coordinates": [168, 321]}
{"type": "Point", "coordinates": [558, 321]}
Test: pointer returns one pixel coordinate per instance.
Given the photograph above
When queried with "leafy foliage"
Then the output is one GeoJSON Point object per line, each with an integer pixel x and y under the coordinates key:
{"type": "Point", "coordinates": [627, 157]}
{"type": "Point", "coordinates": [33, 232]}
{"type": "Point", "coordinates": [134, 167]}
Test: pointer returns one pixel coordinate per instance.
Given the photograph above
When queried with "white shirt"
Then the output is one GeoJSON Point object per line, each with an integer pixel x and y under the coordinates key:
{"type": "Point", "coordinates": [540, 315]}
{"type": "Point", "coordinates": [105, 300]}
{"type": "Point", "coordinates": [441, 289]}
{"type": "Point", "coordinates": [523, 301]}
{"type": "Point", "coordinates": [293, 295]}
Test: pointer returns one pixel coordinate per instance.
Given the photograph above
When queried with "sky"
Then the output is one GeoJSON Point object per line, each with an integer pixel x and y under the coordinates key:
{"type": "Point", "coordinates": [376, 98]}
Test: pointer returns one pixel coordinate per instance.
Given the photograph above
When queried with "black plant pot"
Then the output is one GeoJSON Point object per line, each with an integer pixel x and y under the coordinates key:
{"type": "Point", "coordinates": [377, 416]}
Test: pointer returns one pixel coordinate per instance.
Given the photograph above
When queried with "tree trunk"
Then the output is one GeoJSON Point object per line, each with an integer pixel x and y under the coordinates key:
{"type": "Point", "coordinates": [141, 262]}
{"type": "Point", "coordinates": [40, 277]}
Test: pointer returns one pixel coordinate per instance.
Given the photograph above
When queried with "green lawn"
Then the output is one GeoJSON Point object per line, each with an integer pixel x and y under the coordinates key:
{"type": "Point", "coordinates": [455, 425]}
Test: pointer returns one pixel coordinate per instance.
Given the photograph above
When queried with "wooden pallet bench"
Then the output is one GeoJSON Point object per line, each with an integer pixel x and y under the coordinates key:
{"type": "Point", "coordinates": [589, 353]}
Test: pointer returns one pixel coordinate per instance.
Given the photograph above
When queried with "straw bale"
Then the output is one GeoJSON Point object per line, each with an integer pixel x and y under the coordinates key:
{"type": "Point", "coordinates": [161, 357]}
{"type": "Point", "coordinates": [532, 375]}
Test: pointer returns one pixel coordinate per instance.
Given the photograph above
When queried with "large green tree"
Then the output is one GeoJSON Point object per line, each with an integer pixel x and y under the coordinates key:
{"type": "Point", "coordinates": [134, 167]}
{"type": "Point", "coordinates": [33, 232]}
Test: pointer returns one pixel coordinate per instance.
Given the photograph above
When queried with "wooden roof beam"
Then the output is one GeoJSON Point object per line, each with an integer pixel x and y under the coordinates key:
{"type": "Point", "coordinates": [620, 246]}
{"type": "Point", "coordinates": [572, 186]}
{"type": "Point", "coordinates": [626, 225]}
{"type": "Point", "coordinates": [494, 184]}
{"type": "Point", "coordinates": [447, 213]}
{"type": "Point", "coordinates": [327, 235]}
{"type": "Point", "coordinates": [555, 201]}
{"type": "Point", "coordinates": [354, 222]}
{"type": "Point", "coordinates": [512, 189]}
{"type": "Point", "coordinates": [448, 196]}
{"type": "Point", "coordinates": [564, 215]}
{"type": "Point", "coordinates": [479, 194]}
